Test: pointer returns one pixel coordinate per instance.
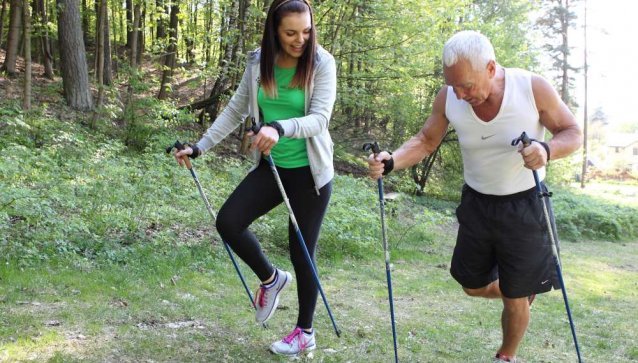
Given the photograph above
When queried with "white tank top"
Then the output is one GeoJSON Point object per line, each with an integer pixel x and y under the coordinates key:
{"type": "Point", "coordinates": [491, 165]}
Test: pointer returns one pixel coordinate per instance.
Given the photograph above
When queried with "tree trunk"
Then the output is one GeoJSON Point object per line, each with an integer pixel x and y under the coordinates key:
{"type": "Point", "coordinates": [565, 64]}
{"type": "Point", "coordinates": [161, 23]}
{"type": "Point", "coordinates": [26, 21]}
{"type": "Point", "coordinates": [584, 171]}
{"type": "Point", "coordinates": [108, 63]}
{"type": "Point", "coordinates": [99, 55]}
{"type": "Point", "coordinates": [2, 12]}
{"type": "Point", "coordinates": [13, 38]}
{"type": "Point", "coordinates": [169, 62]}
{"type": "Point", "coordinates": [85, 22]}
{"type": "Point", "coordinates": [134, 37]}
{"type": "Point", "coordinates": [129, 23]}
{"type": "Point", "coordinates": [44, 45]}
{"type": "Point", "coordinates": [75, 75]}
{"type": "Point", "coordinates": [140, 35]}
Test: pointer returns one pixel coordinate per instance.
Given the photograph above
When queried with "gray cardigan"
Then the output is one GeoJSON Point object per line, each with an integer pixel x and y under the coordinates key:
{"type": "Point", "coordinates": [320, 97]}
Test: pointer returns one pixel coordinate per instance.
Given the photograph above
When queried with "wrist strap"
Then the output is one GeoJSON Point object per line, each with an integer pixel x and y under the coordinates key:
{"type": "Point", "coordinates": [196, 151]}
{"type": "Point", "coordinates": [275, 125]}
{"type": "Point", "coordinates": [388, 165]}
{"type": "Point", "coordinates": [545, 146]}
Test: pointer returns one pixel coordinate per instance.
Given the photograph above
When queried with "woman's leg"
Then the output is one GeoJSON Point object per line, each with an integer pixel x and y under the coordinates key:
{"type": "Point", "coordinates": [254, 196]}
{"type": "Point", "coordinates": [309, 209]}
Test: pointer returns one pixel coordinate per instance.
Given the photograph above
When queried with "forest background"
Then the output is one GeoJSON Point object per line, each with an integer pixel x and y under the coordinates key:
{"type": "Point", "coordinates": [106, 247]}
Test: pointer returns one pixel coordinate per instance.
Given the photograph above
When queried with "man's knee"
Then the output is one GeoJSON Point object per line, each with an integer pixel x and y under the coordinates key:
{"type": "Point", "coordinates": [475, 292]}
{"type": "Point", "coordinates": [490, 291]}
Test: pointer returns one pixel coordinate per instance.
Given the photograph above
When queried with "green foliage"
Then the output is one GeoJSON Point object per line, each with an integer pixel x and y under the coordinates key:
{"type": "Point", "coordinates": [582, 217]}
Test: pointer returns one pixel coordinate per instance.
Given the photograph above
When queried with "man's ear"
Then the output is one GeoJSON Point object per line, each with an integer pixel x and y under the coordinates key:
{"type": "Point", "coordinates": [491, 68]}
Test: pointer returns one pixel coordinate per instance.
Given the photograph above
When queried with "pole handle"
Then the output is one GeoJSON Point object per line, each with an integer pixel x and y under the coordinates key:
{"type": "Point", "coordinates": [179, 146]}
{"type": "Point", "coordinates": [374, 147]}
{"type": "Point", "coordinates": [523, 138]}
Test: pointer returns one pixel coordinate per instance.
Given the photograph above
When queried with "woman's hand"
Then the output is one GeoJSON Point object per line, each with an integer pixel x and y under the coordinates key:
{"type": "Point", "coordinates": [180, 155]}
{"type": "Point", "coordinates": [265, 140]}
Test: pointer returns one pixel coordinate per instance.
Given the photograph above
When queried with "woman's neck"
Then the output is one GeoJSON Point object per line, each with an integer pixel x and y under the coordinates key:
{"type": "Point", "coordinates": [286, 61]}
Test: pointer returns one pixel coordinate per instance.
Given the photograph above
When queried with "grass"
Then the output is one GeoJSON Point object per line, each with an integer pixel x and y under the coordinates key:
{"type": "Point", "coordinates": [188, 305]}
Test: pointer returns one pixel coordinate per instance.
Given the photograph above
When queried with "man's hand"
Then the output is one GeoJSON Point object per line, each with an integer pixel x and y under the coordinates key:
{"type": "Point", "coordinates": [534, 155]}
{"type": "Point", "coordinates": [375, 164]}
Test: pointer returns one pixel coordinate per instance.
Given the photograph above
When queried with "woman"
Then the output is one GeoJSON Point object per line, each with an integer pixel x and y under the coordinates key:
{"type": "Point", "coordinates": [290, 87]}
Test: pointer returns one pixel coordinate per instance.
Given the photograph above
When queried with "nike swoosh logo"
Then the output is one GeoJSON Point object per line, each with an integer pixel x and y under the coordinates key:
{"type": "Point", "coordinates": [544, 282]}
{"type": "Point", "coordinates": [487, 137]}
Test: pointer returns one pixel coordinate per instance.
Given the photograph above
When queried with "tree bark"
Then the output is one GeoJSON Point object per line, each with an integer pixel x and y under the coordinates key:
{"type": "Point", "coordinates": [140, 34]}
{"type": "Point", "coordinates": [99, 55]}
{"type": "Point", "coordinates": [134, 37]}
{"type": "Point", "coordinates": [108, 59]}
{"type": "Point", "coordinates": [43, 41]}
{"type": "Point", "coordinates": [26, 21]}
{"type": "Point", "coordinates": [129, 23]}
{"type": "Point", "coordinates": [169, 59]}
{"type": "Point", "coordinates": [13, 38]}
{"type": "Point", "coordinates": [583, 175]}
{"type": "Point", "coordinates": [2, 12]}
{"type": "Point", "coordinates": [75, 75]}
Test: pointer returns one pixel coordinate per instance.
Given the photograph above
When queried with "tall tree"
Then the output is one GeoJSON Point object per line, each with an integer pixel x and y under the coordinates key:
{"type": "Point", "coordinates": [134, 36]}
{"type": "Point", "coordinates": [43, 41]}
{"type": "Point", "coordinates": [558, 19]}
{"type": "Point", "coordinates": [585, 146]}
{"type": "Point", "coordinates": [169, 59]}
{"type": "Point", "coordinates": [75, 75]}
{"type": "Point", "coordinates": [2, 12]}
{"type": "Point", "coordinates": [13, 38]}
{"type": "Point", "coordinates": [26, 21]}
{"type": "Point", "coordinates": [102, 15]}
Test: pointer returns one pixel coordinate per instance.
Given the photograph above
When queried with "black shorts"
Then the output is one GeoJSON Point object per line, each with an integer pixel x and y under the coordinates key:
{"type": "Point", "coordinates": [505, 238]}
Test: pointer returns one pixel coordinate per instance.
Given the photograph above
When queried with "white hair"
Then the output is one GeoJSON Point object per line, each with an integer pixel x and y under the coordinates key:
{"type": "Point", "coordinates": [470, 45]}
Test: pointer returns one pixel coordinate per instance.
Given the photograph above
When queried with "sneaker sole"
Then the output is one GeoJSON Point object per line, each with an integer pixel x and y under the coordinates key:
{"type": "Point", "coordinates": [306, 350]}
{"type": "Point", "coordinates": [274, 306]}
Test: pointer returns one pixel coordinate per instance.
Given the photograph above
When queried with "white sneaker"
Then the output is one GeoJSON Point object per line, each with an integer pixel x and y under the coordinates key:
{"type": "Point", "coordinates": [296, 342]}
{"type": "Point", "coordinates": [499, 358]}
{"type": "Point", "coordinates": [267, 298]}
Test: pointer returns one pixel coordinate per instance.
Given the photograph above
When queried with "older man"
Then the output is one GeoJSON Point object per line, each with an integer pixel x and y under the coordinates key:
{"type": "Point", "coordinates": [502, 250]}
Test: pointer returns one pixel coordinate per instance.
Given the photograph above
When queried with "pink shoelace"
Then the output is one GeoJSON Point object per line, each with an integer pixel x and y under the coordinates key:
{"type": "Point", "coordinates": [296, 332]}
{"type": "Point", "coordinates": [261, 296]}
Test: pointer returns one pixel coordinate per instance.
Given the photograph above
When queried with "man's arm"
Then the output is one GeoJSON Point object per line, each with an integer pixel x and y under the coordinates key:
{"type": "Point", "coordinates": [420, 145]}
{"type": "Point", "coordinates": [554, 114]}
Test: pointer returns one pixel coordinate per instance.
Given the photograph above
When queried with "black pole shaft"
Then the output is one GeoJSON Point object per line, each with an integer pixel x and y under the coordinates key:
{"type": "Point", "coordinates": [557, 262]}
{"type": "Point", "coordinates": [386, 252]}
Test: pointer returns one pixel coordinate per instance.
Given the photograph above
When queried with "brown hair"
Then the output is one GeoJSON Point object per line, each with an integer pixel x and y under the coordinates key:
{"type": "Point", "coordinates": [270, 46]}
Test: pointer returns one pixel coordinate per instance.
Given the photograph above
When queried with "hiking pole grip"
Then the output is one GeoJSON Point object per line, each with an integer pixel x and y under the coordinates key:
{"type": "Point", "coordinates": [179, 146]}
{"type": "Point", "coordinates": [526, 141]}
{"type": "Point", "coordinates": [374, 147]}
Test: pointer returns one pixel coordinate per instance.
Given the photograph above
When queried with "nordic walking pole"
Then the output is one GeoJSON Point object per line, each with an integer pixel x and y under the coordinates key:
{"type": "Point", "coordinates": [255, 129]}
{"type": "Point", "coordinates": [542, 195]}
{"type": "Point", "coordinates": [376, 150]}
{"type": "Point", "coordinates": [179, 146]}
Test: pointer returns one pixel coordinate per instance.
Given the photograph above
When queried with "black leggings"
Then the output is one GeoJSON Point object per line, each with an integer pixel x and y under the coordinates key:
{"type": "Point", "coordinates": [257, 194]}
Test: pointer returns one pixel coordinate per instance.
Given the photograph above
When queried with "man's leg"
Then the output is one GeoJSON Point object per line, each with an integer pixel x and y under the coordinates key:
{"type": "Point", "coordinates": [514, 318]}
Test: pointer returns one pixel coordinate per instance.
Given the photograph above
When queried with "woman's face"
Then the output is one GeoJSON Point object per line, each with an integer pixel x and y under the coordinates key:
{"type": "Point", "coordinates": [293, 32]}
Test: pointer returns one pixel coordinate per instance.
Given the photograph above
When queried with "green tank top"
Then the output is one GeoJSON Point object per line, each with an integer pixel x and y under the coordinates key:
{"type": "Point", "coordinates": [290, 102]}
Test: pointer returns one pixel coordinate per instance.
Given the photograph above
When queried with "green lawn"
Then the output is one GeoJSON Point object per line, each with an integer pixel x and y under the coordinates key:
{"type": "Point", "coordinates": [190, 306]}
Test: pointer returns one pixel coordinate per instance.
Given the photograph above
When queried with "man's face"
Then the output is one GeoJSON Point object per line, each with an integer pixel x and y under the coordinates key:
{"type": "Point", "coordinates": [468, 84]}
